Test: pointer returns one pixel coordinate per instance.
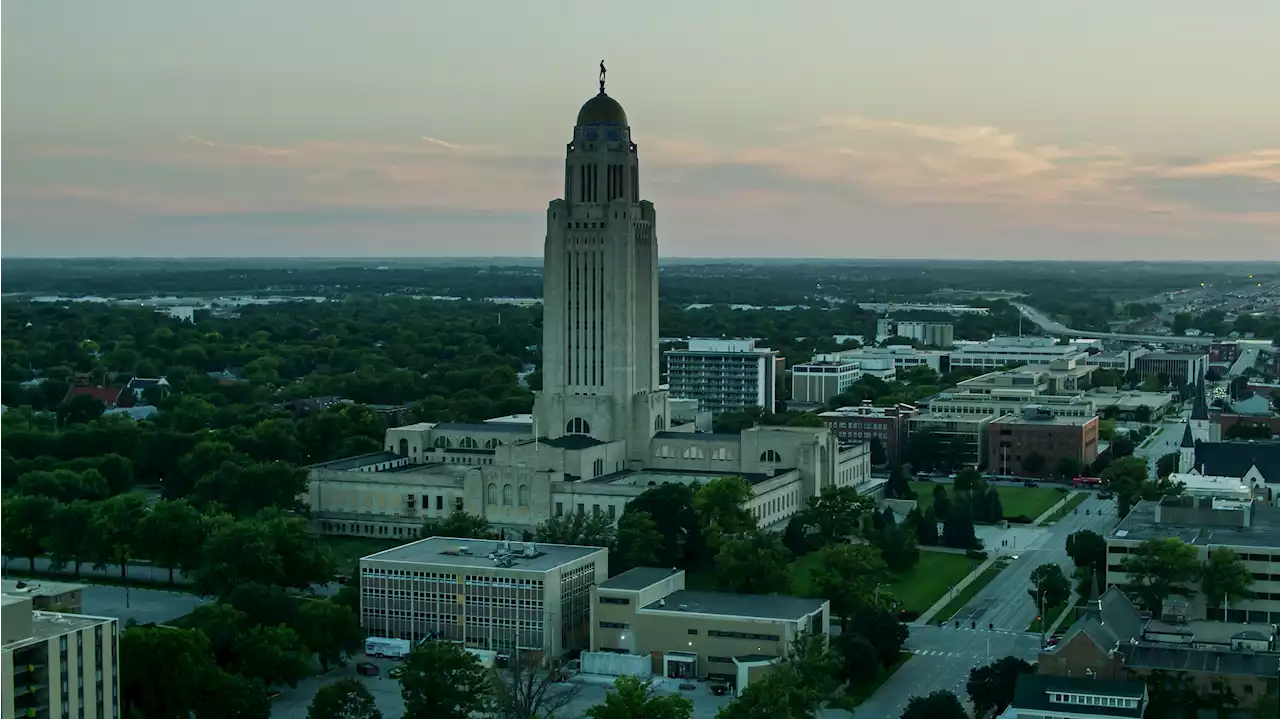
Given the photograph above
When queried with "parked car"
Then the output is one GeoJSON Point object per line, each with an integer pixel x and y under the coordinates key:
{"type": "Point", "coordinates": [719, 688]}
{"type": "Point", "coordinates": [1029, 483]}
{"type": "Point", "coordinates": [1105, 495]}
{"type": "Point", "coordinates": [367, 669]}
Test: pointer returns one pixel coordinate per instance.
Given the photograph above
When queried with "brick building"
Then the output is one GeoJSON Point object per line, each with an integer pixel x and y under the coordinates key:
{"type": "Point", "coordinates": [888, 425]}
{"type": "Point", "coordinates": [1013, 439]}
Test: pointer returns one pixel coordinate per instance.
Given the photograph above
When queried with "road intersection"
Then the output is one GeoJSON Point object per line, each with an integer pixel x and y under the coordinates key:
{"type": "Point", "coordinates": [943, 655]}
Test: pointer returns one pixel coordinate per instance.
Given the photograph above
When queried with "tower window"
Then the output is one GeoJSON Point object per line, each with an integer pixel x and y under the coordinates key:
{"type": "Point", "coordinates": [577, 425]}
{"type": "Point", "coordinates": [771, 456]}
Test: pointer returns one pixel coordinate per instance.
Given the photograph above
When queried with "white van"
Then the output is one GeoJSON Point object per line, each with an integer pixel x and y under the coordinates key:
{"type": "Point", "coordinates": [388, 648]}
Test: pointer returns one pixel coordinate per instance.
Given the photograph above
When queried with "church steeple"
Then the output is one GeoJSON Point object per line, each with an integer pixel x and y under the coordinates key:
{"type": "Point", "coordinates": [1200, 408]}
{"type": "Point", "coordinates": [1186, 451]}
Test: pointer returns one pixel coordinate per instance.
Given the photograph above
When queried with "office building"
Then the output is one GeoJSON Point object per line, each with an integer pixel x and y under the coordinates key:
{"type": "Point", "coordinates": [725, 375]}
{"type": "Point", "coordinates": [488, 595]}
{"type": "Point", "coordinates": [1002, 351]}
{"type": "Point", "coordinates": [815, 383]}
{"type": "Point", "coordinates": [1224, 352]}
{"type": "Point", "coordinates": [865, 423]}
{"type": "Point", "coordinates": [935, 334]}
{"type": "Point", "coordinates": [1037, 444]}
{"type": "Point", "coordinates": [904, 357]}
{"type": "Point", "coordinates": [602, 426]}
{"type": "Point", "coordinates": [1120, 361]}
{"type": "Point", "coordinates": [58, 664]}
{"type": "Point", "coordinates": [1058, 386]}
{"type": "Point", "coordinates": [1178, 369]}
{"type": "Point", "coordinates": [966, 433]}
{"type": "Point", "coordinates": [647, 615]}
{"type": "Point", "coordinates": [1251, 529]}
{"type": "Point", "coordinates": [1132, 405]}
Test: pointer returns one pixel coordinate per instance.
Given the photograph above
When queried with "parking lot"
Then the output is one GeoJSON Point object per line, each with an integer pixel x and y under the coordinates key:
{"type": "Point", "coordinates": [293, 702]}
{"type": "Point", "coordinates": [142, 605]}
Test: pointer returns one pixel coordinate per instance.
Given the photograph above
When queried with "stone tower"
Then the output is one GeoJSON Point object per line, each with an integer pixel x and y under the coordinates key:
{"type": "Point", "coordinates": [600, 292]}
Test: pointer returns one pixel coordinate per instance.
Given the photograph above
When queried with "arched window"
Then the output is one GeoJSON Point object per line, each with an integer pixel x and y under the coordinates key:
{"type": "Point", "coordinates": [442, 443]}
{"type": "Point", "coordinates": [491, 494]}
{"type": "Point", "coordinates": [693, 453]}
{"type": "Point", "coordinates": [404, 448]}
{"type": "Point", "coordinates": [491, 443]}
{"type": "Point", "coordinates": [658, 424]}
{"type": "Point", "coordinates": [507, 495]}
{"type": "Point", "coordinates": [770, 456]}
{"type": "Point", "coordinates": [524, 495]}
{"type": "Point", "coordinates": [468, 443]}
{"type": "Point", "coordinates": [577, 425]}
{"type": "Point", "coordinates": [597, 468]}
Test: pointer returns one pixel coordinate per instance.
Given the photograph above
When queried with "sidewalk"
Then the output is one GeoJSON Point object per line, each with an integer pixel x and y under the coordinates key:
{"type": "Point", "coordinates": [1049, 512]}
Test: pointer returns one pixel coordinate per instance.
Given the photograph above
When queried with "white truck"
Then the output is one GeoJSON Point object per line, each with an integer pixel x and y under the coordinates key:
{"type": "Point", "coordinates": [388, 648]}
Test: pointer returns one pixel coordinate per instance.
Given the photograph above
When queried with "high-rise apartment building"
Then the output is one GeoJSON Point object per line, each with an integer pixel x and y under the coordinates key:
{"type": "Point", "coordinates": [816, 382]}
{"type": "Point", "coordinates": [58, 664]}
{"type": "Point", "coordinates": [724, 375]}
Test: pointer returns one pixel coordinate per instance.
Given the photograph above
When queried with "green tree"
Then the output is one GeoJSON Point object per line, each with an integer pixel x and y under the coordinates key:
{"type": "Point", "coordinates": [1125, 477]}
{"type": "Point", "coordinates": [115, 524]}
{"type": "Point", "coordinates": [1158, 568]}
{"type": "Point", "coordinates": [587, 529]}
{"type": "Point", "coordinates": [721, 507]}
{"type": "Point", "coordinates": [346, 698]}
{"type": "Point", "coordinates": [461, 525]}
{"type": "Point", "coordinates": [859, 662]}
{"type": "Point", "coordinates": [265, 605]}
{"type": "Point", "coordinates": [80, 409]}
{"type": "Point", "coordinates": [833, 516]}
{"type": "Point", "coordinates": [1224, 579]}
{"type": "Point", "coordinates": [1069, 468]}
{"type": "Point", "coordinates": [272, 655]}
{"type": "Point", "coordinates": [847, 575]}
{"type": "Point", "coordinates": [1167, 464]}
{"type": "Point", "coordinates": [231, 696]}
{"type": "Point", "coordinates": [957, 530]}
{"type": "Point", "coordinates": [26, 525]}
{"type": "Point", "coordinates": [441, 680]}
{"type": "Point", "coordinates": [170, 535]}
{"type": "Point", "coordinates": [670, 507]}
{"type": "Point", "coordinates": [639, 542]}
{"type": "Point", "coordinates": [634, 698]}
{"type": "Point", "coordinates": [898, 487]}
{"type": "Point", "coordinates": [755, 562]}
{"type": "Point", "coordinates": [166, 669]}
{"type": "Point", "coordinates": [938, 705]}
{"type": "Point", "coordinates": [69, 539]}
{"type": "Point", "coordinates": [882, 628]}
{"type": "Point", "coordinates": [329, 630]}
{"type": "Point", "coordinates": [968, 480]}
{"type": "Point", "coordinates": [941, 503]}
{"type": "Point", "coordinates": [1088, 550]}
{"type": "Point", "coordinates": [991, 687]}
{"type": "Point", "coordinates": [1049, 586]}
{"type": "Point", "coordinates": [898, 546]}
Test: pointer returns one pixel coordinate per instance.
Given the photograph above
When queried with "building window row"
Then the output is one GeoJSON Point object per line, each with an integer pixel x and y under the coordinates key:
{"type": "Point", "coordinates": [614, 600]}
{"type": "Point", "coordinates": [614, 625]}
{"type": "Point", "coordinates": [744, 635]}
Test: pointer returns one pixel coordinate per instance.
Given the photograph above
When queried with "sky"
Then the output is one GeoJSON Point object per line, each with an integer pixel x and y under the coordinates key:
{"type": "Point", "coordinates": [1001, 129]}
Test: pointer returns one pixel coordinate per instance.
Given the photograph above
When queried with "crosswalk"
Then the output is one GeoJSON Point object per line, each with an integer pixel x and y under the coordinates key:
{"type": "Point", "coordinates": [949, 655]}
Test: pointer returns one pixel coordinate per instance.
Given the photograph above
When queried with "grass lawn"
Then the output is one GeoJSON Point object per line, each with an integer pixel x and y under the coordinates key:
{"type": "Point", "coordinates": [917, 589]}
{"type": "Point", "coordinates": [1050, 616]}
{"type": "Point", "coordinates": [1016, 499]}
{"type": "Point", "coordinates": [347, 551]}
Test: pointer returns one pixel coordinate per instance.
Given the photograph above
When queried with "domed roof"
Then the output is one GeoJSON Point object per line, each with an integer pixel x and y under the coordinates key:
{"type": "Point", "coordinates": [602, 110]}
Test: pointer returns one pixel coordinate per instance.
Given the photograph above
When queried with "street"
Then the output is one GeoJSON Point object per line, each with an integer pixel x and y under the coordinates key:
{"type": "Point", "coordinates": [944, 655]}
{"type": "Point", "coordinates": [1167, 439]}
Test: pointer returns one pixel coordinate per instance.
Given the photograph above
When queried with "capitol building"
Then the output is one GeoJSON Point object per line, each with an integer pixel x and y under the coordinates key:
{"type": "Point", "coordinates": [601, 431]}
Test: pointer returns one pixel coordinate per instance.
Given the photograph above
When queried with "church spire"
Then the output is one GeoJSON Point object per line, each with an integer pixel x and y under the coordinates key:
{"type": "Point", "coordinates": [1188, 442]}
{"type": "Point", "coordinates": [1200, 410]}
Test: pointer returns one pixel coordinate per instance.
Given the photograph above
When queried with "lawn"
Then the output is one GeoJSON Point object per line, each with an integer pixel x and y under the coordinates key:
{"type": "Point", "coordinates": [918, 588]}
{"type": "Point", "coordinates": [347, 551]}
{"type": "Point", "coordinates": [1016, 500]}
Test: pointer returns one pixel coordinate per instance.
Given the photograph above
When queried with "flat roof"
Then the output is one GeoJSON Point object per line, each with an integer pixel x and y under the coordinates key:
{"type": "Point", "coordinates": [46, 625]}
{"type": "Point", "coordinates": [358, 461]}
{"type": "Point", "coordinates": [755, 606]}
{"type": "Point", "coordinates": [481, 427]}
{"type": "Point", "coordinates": [443, 551]}
{"type": "Point", "coordinates": [37, 588]}
{"type": "Point", "coordinates": [1140, 525]}
{"type": "Point", "coordinates": [699, 436]}
{"type": "Point", "coordinates": [642, 477]}
{"type": "Point", "coordinates": [634, 580]}
{"type": "Point", "coordinates": [1059, 421]}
